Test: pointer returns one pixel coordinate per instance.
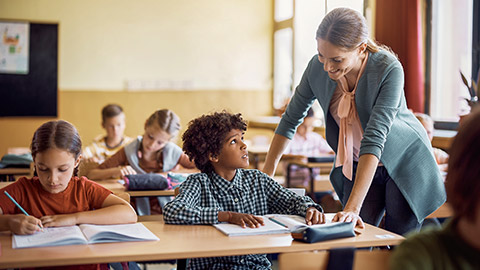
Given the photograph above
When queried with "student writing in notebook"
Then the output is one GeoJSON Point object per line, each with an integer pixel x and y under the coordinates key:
{"type": "Point", "coordinates": [225, 191]}
{"type": "Point", "coordinates": [57, 197]}
{"type": "Point", "coordinates": [457, 245]}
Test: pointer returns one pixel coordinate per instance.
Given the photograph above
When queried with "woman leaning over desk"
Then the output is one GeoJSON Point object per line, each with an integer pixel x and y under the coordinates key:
{"type": "Point", "coordinates": [383, 158]}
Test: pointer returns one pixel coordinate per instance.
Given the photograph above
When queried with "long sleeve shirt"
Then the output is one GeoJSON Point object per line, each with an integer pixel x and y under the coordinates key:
{"type": "Point", "coordinates": [203, 195]}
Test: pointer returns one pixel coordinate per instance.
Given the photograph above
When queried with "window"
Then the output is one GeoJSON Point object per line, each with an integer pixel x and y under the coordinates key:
{"type": "Point", "coordinates": [295, 25]}
{"type": "Point", "coordinates": [451, 52]}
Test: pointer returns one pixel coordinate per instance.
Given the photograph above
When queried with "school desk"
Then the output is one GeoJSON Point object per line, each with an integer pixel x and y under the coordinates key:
{"type": "Point", "coordinates": [118, 188]}
{"type": "Point", "coordinates": [441, 138]}
{"type": "Point", "coordinates": [258, 153]}
{"type": "Point", "coordinates": [10, 173]}
{"type": "Point", "coordinates": [179, 242]}
{"type": "Point", "coordinates": [271, 123]}
{"type": "Point", "coordinates": [323, 166]}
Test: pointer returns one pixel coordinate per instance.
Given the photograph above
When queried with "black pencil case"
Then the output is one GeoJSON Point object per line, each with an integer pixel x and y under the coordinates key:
{"type": "Point", "coordinates": [149, 181]}
{"type": "Point", "coordinates": [336, 230]}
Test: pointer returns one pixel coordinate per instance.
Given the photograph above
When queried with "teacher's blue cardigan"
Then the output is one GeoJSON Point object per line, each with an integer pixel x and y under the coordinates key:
{"type": "Point", "coordinates": [391, 131]}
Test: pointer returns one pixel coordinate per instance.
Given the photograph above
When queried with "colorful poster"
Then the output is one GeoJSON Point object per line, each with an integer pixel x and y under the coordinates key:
{"type": "Point", "coordinates": [14, 46]}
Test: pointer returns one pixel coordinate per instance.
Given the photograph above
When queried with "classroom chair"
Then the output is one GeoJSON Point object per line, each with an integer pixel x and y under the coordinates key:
{"type": "Point", "coordinates": [319, 260]}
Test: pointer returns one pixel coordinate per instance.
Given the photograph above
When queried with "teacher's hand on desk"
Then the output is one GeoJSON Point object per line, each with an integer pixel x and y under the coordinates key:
{"type": "Point", "coordinates": [349, 216]}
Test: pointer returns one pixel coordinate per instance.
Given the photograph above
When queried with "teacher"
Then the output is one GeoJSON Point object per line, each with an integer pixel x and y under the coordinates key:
{"type": "Point", "coordinates": [383, 159]}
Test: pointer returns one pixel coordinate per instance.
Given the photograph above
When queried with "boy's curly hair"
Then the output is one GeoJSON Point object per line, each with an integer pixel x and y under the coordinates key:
{"type": "Point", "coordinates": [205, 136]}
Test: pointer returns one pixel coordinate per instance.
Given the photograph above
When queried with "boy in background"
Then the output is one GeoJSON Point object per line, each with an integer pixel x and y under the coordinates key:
{"type": "Point", "coordinates": [104, 146]}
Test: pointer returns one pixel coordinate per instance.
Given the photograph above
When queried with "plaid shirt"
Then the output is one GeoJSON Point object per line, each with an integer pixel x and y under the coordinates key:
{"type": "Point", "coordinates": [203, 195]}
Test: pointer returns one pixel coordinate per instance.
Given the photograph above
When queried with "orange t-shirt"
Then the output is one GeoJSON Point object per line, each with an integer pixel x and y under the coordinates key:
{"type": "Point", "coordinates": [80, 195]}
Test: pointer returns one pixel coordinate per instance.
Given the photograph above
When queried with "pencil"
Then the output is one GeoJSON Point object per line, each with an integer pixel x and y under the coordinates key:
{"type": "Point", "coordinates": [278, 222]}
{"type": "Point", "coordinates": [18, 205]}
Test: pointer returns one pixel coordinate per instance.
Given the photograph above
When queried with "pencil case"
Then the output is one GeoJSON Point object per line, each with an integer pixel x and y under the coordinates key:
{"type": "Point", "coordinates": [149, 181]}
{"type": "Point", "coordinates": [313, 234]}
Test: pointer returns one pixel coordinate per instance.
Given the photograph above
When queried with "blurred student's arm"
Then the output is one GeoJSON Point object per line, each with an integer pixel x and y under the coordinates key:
{"type": "Point", "coordinates": [114, 167]}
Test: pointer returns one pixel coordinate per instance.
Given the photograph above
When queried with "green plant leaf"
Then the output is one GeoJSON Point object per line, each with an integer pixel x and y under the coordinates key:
{"type": "Point", "coordinates": [464, 79]}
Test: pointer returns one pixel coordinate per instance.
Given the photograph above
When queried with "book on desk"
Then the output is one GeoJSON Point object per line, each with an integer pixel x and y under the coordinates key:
{"type": "Point", "coordinates": [274, 224]}
{"type": "Point", "coordinates": [84, 234]}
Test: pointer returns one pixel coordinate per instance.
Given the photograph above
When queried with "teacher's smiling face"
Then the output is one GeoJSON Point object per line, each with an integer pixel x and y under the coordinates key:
{"type": "Point", "coordinates": [338, 61]}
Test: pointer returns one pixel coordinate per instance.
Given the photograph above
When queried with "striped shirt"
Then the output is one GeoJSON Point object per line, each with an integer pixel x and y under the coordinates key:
{"type": "Point", "coordinates": [203, 195]}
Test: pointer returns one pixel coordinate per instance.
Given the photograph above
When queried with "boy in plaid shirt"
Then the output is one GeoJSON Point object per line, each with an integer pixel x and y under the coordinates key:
{"type": "Point", "coordinates": [226, 192]}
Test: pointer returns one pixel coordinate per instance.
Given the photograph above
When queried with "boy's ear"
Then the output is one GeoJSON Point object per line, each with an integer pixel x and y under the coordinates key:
{"type": "Point", "coordinates": [212, 157]}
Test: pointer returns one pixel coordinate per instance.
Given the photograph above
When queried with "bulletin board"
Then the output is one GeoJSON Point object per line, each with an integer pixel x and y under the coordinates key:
{"type": "Point", "coordinates": [31, 91]}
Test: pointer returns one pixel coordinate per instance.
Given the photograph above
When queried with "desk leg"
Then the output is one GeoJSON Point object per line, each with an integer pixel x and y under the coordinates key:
{"type": "Point", "coordinates": [312, 185]}
{"type": "Point", "coordinates": [287, 177]}
{"type": "Point", "coordinates": [256, 160]}
{"type": "Point", "coordinates": [182, 264]}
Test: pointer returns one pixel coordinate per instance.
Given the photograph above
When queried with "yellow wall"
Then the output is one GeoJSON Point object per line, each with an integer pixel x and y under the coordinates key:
{"type": "Point", "coordinates": [82, 108]}
{"type": "Point", "coordinates": [196, 56]}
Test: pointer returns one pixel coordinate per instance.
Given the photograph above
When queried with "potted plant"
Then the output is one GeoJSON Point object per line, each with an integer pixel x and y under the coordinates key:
{"type": "Point", "coordinates": [473, 90]}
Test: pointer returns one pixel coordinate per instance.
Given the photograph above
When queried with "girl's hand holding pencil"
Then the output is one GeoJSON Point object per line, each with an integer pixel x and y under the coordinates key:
{"type": "Point", "coordinates": [23, 224]}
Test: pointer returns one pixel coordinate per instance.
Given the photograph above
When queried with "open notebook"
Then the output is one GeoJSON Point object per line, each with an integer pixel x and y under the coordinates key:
{"type": "Point", "coordinates": [84, 234]}
{"type": "Point", "coordinates": [276, 224]}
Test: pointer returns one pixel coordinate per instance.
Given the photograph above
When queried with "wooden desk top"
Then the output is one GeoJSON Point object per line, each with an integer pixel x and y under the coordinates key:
{"type": "Point", "coordinates": [271, 122]}
{"type": "Point", "coordinates": [321, 165]}
{"type": "Point", "coordinates": [178, 242]}
{"type": "Point", "coordinates": [15, 171]}
{"type": "Point", "coordinates": [118, 188]}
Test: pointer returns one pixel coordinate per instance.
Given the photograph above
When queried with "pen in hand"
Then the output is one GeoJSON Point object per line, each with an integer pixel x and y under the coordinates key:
{"type": "Point", "coordinates": [21, 208]}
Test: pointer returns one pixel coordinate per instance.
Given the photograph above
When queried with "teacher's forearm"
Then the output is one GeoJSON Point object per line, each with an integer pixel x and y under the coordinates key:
{"type": "Point", "coordinates": [277, 147]}
{"type": "Point", "coordinates": [367, 164]}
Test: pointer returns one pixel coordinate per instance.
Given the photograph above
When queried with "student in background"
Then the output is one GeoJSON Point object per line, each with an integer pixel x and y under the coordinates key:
{"type": "Point", "coordinates": [104, 146]}
{"type": "Point", "coordinates": [226, 192]}
{"type": "Point", "coordinates": [153, 152]}
{"type": "Point", "coordinates": [457, 245]}
{"type": "Point", "coordinates": [308, 143]}
{"type": "Point", "coordinates": [440, 156]}
{"type": "Point", "coordinates": [57, 197]}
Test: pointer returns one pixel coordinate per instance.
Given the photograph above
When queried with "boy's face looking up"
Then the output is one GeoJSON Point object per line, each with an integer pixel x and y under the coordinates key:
{"type": "Point", "coordinates": [115, 126]}
{"type": "Point", "coordinates": [233, 154]}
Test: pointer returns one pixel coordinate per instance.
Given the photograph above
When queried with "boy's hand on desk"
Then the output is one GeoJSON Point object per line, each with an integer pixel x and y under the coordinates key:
{"type": "Point", "coordinates": [313, 216]}
{"type": "Point", "coordinates": [59, 220]}
{"type": "Point", "coordinates": [21, 224]}
{"type": "Point", "coordinates": [245, 220]}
